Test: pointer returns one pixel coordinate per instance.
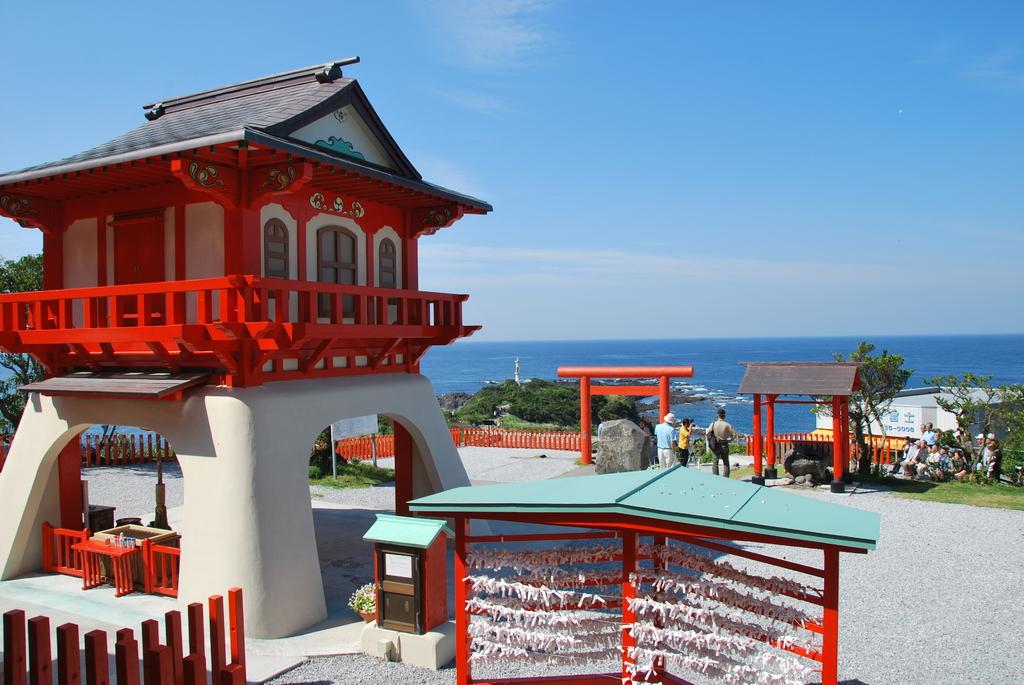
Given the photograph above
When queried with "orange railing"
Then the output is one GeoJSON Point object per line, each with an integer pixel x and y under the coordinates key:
{"type": "Point", "coordinates": [160, 567]}
{"type": "Point", "coordinates": [366, 447]}
{"type": "Point", "coordinates": [58, 555]}
{"type": "Point", "coordinates": [883, 450]}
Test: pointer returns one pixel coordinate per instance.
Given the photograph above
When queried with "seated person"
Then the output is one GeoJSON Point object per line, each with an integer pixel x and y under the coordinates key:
{"type": "Point", "coordinates": [908, 451]}
{"type": "Point", "coordinates": [958, 465]}
{"type": "Point", "coordinates": [916, 466]}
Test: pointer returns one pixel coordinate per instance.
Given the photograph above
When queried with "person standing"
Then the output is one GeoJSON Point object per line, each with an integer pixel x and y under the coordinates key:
{"type": "Point", "coordinates": [719, 434]}
{"type": "Point", "coordinates": [928, 434]}
{"type": "Point", "coordinates": [995, 457]}
{"type": "Point", "coordinates": [684, 441]}
{"type": "Point", "coordinates": [665, 435]}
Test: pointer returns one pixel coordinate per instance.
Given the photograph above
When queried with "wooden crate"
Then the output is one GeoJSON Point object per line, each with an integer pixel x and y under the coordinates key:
{"type": "Point", "coordinates": [140, 533]}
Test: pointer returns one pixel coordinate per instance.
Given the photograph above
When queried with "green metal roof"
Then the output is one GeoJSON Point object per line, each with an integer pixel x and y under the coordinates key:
{"type": "Point", "coordinates": [406, 530]}
{"type": "Point", "coordinates": [677, 495]}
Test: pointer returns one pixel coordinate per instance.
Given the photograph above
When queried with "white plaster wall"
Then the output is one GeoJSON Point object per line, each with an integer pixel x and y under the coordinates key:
{"type": "Point", "coordinates": [244, 457]}
{"type": "Point", "coordinates": [80, 254]}
{"type": "Point", "coordinates": [318, 222]}
{"type": "Point", "coordinates": [387, 232]}
{"type": "Point", "coordinates": [352, 129]}
{"type": "Point", "coordinates": [204, 240]}
{"type": "Point", "coordinates": [80, 258]}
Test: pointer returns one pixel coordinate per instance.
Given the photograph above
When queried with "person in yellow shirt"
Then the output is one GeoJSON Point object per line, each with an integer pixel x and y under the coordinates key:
{"type": "Point", "coordinates": [684, 441]}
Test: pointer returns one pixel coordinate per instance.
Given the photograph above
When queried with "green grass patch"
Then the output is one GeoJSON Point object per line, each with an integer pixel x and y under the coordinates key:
{"type": "Point", "coordinates": [513, 422]}
{"type": "Point", "coordinates": [742, 472]}
{"type": "Point", "coordinates": [954, 492]}
{"type": "Point", "coordinates": [360, 474]}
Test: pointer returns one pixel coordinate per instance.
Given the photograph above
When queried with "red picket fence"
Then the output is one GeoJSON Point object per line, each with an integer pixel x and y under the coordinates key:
{"type": "Point", "coordinates": [122, 448]}
{"type": "Point", "coordinates": [364, 448]}
{"type": "Point", "coordinates": [883, 451]}
{"type": "Point", "coordinates": [58, 557]}
{"type": "Point", "coordinates": [29, 660]}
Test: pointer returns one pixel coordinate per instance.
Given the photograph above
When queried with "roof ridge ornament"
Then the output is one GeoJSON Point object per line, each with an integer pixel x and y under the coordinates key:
{"type": "Point", "coordinates": [332, 70]}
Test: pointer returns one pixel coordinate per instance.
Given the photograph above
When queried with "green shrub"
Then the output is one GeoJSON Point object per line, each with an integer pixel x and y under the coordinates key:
{"type": "Point", "coordinates": [315, 472]}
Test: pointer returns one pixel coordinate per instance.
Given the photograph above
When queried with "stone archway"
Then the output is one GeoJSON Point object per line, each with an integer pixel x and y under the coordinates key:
{"type": "Point", "coordinates": [247, 521]}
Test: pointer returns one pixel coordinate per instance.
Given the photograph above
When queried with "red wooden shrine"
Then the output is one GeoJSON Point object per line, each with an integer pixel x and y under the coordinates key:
{"type": "Point", "coordinates": [262, 231]}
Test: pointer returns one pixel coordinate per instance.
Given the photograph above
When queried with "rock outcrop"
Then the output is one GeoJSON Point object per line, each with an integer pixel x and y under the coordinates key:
{"type": "Point", "coordinates": [623, 447]}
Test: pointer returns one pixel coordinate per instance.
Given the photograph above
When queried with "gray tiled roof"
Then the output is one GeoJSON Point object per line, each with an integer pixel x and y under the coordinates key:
{"type": "Point", "coordinates": [223, 112]}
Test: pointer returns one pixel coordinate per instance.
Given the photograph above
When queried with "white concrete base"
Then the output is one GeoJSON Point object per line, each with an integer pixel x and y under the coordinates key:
{"type": "Point", "coordinates": [244, 455]}
{"type": "Point", "coordinates": [434, 649]}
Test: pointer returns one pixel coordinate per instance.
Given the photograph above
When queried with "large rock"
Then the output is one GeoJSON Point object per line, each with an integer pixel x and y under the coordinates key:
{"type": "Point", "coordinates": [798, 464]}
{"type": "Point", "coordinates": [623, 447]}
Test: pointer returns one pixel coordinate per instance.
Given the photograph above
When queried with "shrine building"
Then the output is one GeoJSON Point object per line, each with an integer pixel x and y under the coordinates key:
{"type": "Point", "coordinates": [235, 273]}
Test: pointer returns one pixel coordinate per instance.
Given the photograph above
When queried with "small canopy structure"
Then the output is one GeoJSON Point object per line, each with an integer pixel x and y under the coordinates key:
{"type": "Point", "coordinates": [678, 504]}
{"type": "Point", "coordinates": [406, 531]}
{"type": "Point", "coordinates": [769, 380]}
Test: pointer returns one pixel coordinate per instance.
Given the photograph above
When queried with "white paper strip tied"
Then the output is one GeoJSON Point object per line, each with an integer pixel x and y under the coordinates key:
{"type": "Point", "coordinates": [568, 580]}
{"type": "Point", "coordinates": [532, 594]}
{"type": "Point", "coordinates": [535, 560]}
{"type": "Point", "coordinates": [754, 671]}
{"type": "Point", "coordinates": [721, 592]}
{"type": "Point", "coordinates": [498, 652]}
{"type": "Point", "coordinates": [513, 612]}
{"type": "Point", "coordinates": [703, 618]}
{"type": "Point", "coordinates": [706, 564]}
{"type": "Point", "coordinates": [545, 641]}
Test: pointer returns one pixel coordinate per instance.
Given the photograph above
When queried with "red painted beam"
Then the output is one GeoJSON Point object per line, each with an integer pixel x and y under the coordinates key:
{"type": "Point", "coordinates": [625, 371]}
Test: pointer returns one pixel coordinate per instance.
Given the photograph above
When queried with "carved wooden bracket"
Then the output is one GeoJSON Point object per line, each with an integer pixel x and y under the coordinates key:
{"type": "Point", "coordinates": [31, 212]}
{"type": "Point", "coordinates": [277, 179]}
{"type": "Point", "coordinates": [429, 220]}
{"type": "Point", "coordinates": [218, 181]}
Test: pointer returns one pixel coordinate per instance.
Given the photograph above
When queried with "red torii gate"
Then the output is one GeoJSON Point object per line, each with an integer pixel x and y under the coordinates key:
{"type": "Point", "coordinates": [587, 390]}
{"type": "Point", "coordinates": [837, 380]}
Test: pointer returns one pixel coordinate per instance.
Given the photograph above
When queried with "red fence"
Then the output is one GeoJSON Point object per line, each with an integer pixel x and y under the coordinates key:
{"type": "Point", "coordinates": [384, 445]}
{"type": "Point", "coordinates": [160, 565]}
{"type": "Point", "coordinates": [161, 664]}
{"type": "Point", "coordinates": [883, 450]}
{"type": "Point", "coordinates": [58, 556]}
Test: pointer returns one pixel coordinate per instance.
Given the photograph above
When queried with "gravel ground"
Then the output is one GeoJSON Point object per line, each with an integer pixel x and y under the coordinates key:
{"type": "Point", "coordinates": [131, 488]}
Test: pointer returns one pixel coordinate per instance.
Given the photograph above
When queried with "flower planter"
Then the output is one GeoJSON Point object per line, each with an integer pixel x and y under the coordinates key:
{"type": "Point", "coordinates": [368, 616]}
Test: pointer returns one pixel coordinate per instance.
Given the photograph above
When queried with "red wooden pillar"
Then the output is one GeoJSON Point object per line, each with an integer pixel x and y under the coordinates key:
{"type": "Point", "coordinates": [69, 469]}
{"type": "Point", "coordinates": [585, 419]}
{"type": "Point", "coordinates": [845, 424]}
{"type": "Point", "coordinates": [97, 670]}
{"type": "Point", "coordinates": [463, 671]}
{"type": "Point", "coordinates": [771, 471]}
{"type": "Point", "coordinates": [758, 441]}
{"type": "Point", "coordinates": [39, 655]}
{"type": "Point", "coordinates": [830, 639]}
{"type": "Point", "coordinates": [628, 593]}
{"type": "Point", "coordinates": [403, 469]}
{"type": "Point", "coordinates": [664, 398]}
{"type": "Point", "coordinates": [837, 445]}
{"type": "Point", "coordinates": [69, 665]}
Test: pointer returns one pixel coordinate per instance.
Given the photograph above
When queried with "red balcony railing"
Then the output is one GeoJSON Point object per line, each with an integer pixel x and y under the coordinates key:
{"type": "Point", "coordinates": [246, 328]}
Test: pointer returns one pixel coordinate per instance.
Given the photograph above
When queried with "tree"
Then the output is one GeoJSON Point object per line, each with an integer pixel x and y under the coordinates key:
{"type": "Point", "coordinates": [18, 275]}
{"type": "Point", "coordinates": [881, 378]}
{"type": "Point", "coordinates": [978, 405]}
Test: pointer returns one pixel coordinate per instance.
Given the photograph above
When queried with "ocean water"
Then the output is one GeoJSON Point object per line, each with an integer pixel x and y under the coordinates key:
{"type": "Point", "coordinates": [467, 366]}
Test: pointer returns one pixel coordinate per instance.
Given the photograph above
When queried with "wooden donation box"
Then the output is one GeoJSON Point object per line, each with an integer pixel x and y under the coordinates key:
{"type": "Point", "coordinates": [410, 572]}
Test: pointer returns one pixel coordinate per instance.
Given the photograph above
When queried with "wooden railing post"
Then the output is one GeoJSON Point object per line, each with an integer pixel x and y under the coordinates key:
{"type": "Point", "coordinates": [68, 657]}
{"type": "Point", "coordinates": [97, 672]}
{"type": "Point", "coordinates": [39, 655]}
{"type": "Point", "coordinates": [216, 617]}
{"type": "Point", "coordinates": [14, 647]}
{"type": "Point", "coordinates": [236, 618]}
{"type": "Point", "coordinates": [172, 635]}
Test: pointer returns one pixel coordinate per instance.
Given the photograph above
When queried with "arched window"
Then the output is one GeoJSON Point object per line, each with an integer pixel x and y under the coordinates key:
{"type": "Point", "coordinates": [275, 249]}
{"type": "Point", "coordinates": [387, 263]}
{"type": "Point", "coordinates": [337, 263]}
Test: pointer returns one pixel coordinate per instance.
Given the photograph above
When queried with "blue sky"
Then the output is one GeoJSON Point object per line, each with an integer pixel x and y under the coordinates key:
{"type": "Point", "coordinates": [676, 169]}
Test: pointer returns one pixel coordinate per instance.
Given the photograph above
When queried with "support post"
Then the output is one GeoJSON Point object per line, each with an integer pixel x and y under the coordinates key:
{"type": "Point", "coordinates": [628, 593]}
{"type": "Point", "coordinates": [14, 647]}
{"type": "Point", "coordinates": [758, 442]}
{"type": "Point", "coordinates": [830, 639]}
{"type": "Point", "coordinates": [70, 479]}
{"type": "Point", "coordinates": [837, 447]}
{"type": "Point", "coordinates": [39, 654]}
{"type": "Point", "coordinates": [403, 469]}
{"type": "Point", "coordinates": [664, 398]}
{"type": "Point", "coordinates": [585, 419]}
{"type": "Point", "coordinates": [771, 471]}
{"type": "Point", "coordinates": [463, 672]}
{"type": "Point", "coordinates": [845, 418]}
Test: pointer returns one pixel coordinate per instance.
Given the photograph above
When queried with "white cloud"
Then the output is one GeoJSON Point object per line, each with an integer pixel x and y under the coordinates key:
{"type": "Point", "coordinates": [1001, 69]}
{"type": "Point", "coordinates": [494, 34]}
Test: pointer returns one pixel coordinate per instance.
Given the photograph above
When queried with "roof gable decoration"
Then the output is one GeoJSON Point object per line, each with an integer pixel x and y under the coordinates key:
{"type": "Point", "coordinates": [343, 131]}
